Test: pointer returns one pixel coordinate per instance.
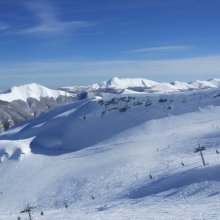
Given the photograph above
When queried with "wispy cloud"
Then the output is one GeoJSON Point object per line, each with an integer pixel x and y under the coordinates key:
{"type": "Point", "coordinates": [123, 5]}
{"type": "Point", "coordinates": [160, 49]}
{"type": "Point", "coordinates": [48, 21]}
{"type": "Point", "coordinates": [145, 68]}
{"type": "Point", "coordinates": [3, 27]}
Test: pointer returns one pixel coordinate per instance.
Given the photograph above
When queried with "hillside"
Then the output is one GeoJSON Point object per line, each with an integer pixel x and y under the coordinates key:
{"type": "Point", "coordinates": [117, 85]}
{"type": "Point", "coordinates": [33, 90]}
{"type": "Point", "coordinates": [119, 156]}
{"type": "Point", "coordinates": [21, 103]}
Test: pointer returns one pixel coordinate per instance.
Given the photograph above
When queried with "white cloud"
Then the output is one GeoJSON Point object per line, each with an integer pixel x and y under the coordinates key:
{"type": "Point", "coordinates": [57, 27]}
{"type": "Point", "coordinates": [49, 21]}
{"type": "Point", "coordinates": [193, 67]}
{"type": "Point", "coordinates": [160, 49]}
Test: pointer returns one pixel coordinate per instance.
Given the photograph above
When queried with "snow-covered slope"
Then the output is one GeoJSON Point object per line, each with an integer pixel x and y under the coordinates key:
{"type": "Point", "coordinates": [115, 85]}
{"type": "Point", "coordinates": [122, 157]}
{"type": "Point", "coordinates": [27, 101]}
{"type": "Point", "coordinates": [125, 83]}
{"type": "Point", "coordinates": [33, 90]}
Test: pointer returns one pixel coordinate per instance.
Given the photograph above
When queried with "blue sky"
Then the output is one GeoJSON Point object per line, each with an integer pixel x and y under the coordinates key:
{"type": "Point", "coordinates": [72, 42]}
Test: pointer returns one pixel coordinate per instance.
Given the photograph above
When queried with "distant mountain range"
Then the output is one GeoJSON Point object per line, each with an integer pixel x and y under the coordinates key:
{"type": "Point", "coordinates": [21, 103]}
{"type": "Point", "coordinates": [126, 85]}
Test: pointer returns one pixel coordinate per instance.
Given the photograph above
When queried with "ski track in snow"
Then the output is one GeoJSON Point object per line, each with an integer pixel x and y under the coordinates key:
{"type": "Point", "coordinates": [100, 164]}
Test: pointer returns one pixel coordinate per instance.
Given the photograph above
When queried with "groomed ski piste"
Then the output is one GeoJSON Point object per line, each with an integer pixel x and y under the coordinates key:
{"type": "Point", "coordinates": [117, 157]}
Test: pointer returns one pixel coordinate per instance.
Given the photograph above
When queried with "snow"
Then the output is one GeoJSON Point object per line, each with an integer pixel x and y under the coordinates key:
{"type": "Point", "coordinates": [97, 158]}
{"type": "Point", "coordinates": [126, 83]}
{"type": "Point", "coordinates": [14, 149]}
{"type": "Point", "coordinates": [204, 84]}
{"type": "Point", "coordinates": [148, 86]}
{"type": "Point", "coordinates": [30, 91]}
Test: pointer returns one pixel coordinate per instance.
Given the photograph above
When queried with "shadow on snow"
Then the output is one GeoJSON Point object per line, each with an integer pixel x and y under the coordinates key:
{"type": "Point", "coordinates": [176, 181]}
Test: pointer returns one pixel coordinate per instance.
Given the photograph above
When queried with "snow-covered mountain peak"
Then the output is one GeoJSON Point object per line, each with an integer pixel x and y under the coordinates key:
{"type": "Point", "coordinates": [125, 83]}
{"type": "Point", "coordinates": [32, 90]}
{"type": "Point", "coordinates": [162, 87]}
{"type": "Point", "coordinates": [141, 85]}
{"type": "Point", "coordinates": [130, 82]}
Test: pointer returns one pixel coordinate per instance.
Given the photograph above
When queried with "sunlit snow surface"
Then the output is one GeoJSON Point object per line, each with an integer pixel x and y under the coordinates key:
{"type": "Point", "coordinates": [145, 85]}
{"type": "Point", "coordinates": [33, 90]}
{"type": "Point", "coordinates": [97, 156]}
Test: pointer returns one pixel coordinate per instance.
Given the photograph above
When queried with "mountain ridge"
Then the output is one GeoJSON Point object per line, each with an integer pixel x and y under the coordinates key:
{"type": "Point", "coordinates": [148, 86]}
{"type": "Point", "coordinates": [32, 90]}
